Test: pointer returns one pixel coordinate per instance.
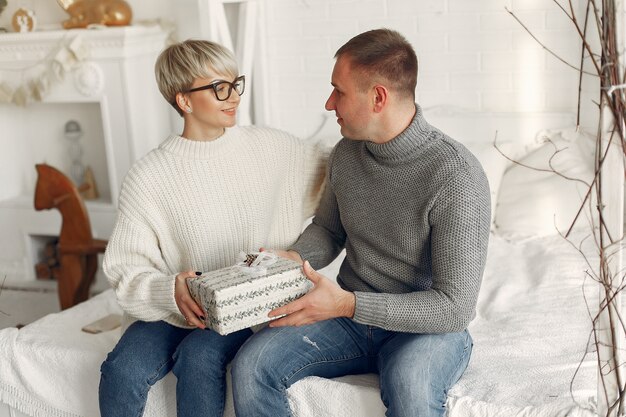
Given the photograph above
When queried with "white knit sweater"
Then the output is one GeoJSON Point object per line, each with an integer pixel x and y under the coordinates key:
{"type": "Point", "coordinates": [191, 205]}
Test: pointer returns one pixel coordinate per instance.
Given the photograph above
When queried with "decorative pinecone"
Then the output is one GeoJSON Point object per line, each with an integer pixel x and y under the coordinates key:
{"type": "Point", "coordinates": [250, 259]}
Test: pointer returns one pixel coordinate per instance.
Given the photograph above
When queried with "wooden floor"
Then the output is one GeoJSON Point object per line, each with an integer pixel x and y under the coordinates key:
{"type": "Point", "coordinates": [23, 306]}
{"type": "Point", "coordinates": [22, 302]}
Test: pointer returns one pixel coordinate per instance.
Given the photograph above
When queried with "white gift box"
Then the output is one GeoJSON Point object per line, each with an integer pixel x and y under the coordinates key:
{"type": "Point", "coordinates": [241, 296]}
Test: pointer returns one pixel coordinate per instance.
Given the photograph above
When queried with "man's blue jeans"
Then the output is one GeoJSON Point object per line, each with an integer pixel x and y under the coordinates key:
{"type": "Point", "coordinates": [415, 370]}
{"type": "Point", "coordinates": [147, 351]}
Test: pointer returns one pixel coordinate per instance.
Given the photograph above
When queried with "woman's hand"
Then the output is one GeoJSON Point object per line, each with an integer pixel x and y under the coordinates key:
{"type": "Point", "coordinates": [188, 307]}
{"type": "Point", "coordinates": [288, 254]}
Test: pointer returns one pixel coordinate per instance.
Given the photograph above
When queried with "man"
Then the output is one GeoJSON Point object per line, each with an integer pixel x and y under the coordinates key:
{"type": "Point", "coordinates": [411, 207]}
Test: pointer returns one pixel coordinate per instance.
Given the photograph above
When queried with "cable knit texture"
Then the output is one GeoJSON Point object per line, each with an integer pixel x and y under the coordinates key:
{"type": "Point", "coordinates": [191, 205]}
{"type": "Point", "coordinates": [413, 215]}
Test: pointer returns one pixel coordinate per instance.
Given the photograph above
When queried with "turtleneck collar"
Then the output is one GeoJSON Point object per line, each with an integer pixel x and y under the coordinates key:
{"type": "Point", "coordinates": [195, 149]}
{"type": "Point", "coordinates": [403, 146]}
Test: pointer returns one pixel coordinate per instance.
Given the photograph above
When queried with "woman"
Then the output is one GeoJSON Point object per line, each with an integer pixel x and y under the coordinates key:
{"type": "Point", "coordinates": [189, 206]}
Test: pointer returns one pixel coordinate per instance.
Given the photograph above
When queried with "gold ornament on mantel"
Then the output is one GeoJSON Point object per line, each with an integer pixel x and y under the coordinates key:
{"type": "Point", "coordinates": [24, 20]}
{"type": "Point", "coordinates": [96, 12]}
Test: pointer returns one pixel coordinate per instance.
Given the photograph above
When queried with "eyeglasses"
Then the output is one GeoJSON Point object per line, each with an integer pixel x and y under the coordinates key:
{"type": "Point", "coordinates": [223, 89]}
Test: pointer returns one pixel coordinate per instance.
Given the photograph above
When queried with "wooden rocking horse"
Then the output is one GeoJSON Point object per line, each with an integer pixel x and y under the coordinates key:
{"type": "Point", "coordinates": [77, 249]}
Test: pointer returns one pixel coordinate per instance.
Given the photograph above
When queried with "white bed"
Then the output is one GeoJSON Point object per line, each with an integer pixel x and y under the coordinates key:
{"type": "Point", "coordinates": [530, 333]}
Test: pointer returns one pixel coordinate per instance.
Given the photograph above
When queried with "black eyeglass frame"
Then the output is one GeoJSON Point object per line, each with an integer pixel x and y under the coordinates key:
{"type": "Point", "coordinates": [231, 87]}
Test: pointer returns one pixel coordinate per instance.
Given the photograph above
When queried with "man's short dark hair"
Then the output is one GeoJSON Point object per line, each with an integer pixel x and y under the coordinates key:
{"type": "Point", "coordinates": [383, 55]}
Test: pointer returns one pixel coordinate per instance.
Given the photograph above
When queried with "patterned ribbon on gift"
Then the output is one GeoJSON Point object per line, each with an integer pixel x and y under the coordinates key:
{"type": "Point", "coordinates": [255, 263]}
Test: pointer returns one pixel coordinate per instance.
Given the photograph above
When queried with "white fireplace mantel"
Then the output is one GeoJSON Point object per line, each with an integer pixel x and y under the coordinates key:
{"type": "Point", "coordinates": [111, 90]}
{"type": "Point", "coordinates": [110, 42]}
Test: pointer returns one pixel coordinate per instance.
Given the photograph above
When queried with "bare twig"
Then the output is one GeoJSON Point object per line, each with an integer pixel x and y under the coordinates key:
{"type": "Point", "coordinates": [582, 62]}
{"type": "Point", "coordinates": [1, 288]}
{"type": "Point", "coordinates": [612, 104]}
{"type": "Point", "coordinates": [543, 46]}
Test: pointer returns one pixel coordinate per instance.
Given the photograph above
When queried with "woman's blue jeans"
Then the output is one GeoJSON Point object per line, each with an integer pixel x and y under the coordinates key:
{"type": "Point", "coordinates": [147, 351]}
{"type": "Point", "coordinates": [415, 370]}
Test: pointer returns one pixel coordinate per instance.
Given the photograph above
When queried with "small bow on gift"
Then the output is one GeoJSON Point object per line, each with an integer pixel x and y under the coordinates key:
{"type": "Point", "coordinates": [255, 263]}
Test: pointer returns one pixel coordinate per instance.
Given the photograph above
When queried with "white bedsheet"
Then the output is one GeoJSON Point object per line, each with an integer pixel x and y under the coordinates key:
{"type": "Point", "coordinates": [530, 335]}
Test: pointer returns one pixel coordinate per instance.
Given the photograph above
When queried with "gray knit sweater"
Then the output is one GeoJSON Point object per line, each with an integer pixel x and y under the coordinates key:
{"type": "Point", "coordinates": [413, 215]}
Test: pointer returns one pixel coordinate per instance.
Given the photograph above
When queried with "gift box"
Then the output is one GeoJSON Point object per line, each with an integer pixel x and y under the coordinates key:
{"type": "Point", "coordinates": [241, 296]}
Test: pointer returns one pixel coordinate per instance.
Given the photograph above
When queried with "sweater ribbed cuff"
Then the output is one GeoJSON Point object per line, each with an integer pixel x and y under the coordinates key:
{"type": "Point", "coordinates": [370, 308]}
{"type": "Point", "coordinates": [305, 249]}
{"type": "Point", "coordinates": [162, 293]}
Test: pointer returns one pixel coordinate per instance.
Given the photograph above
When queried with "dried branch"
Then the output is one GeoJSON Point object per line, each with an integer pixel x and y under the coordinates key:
{"type": "Point", "coordinates": [582, 62]}
{"type": "Point", "coordinates": [1, 288]}
{"type": "Point", "coordinates": [612, 105]}
{"type": "Point", "coordinates": [543, 46]}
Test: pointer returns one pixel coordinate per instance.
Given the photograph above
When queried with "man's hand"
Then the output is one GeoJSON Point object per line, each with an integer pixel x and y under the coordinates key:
{"type": "Point", "coordinates": [287, 254]}
{"type": "Point", "coordinates": [325, 301]}
{"type": "Point", "coordinates": [188, 307]}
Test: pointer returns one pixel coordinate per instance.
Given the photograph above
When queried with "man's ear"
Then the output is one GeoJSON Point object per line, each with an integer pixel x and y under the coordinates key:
{"type": "Point", "coordinates": [381, 95]}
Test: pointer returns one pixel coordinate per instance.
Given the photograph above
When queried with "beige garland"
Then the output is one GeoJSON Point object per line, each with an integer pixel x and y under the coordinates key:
{"type": "Point", "coordinates": [68, 57]}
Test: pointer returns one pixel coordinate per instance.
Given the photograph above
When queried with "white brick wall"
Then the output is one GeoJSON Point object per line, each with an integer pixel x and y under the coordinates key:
{"type": "Point", "coordinates": [472, 53]}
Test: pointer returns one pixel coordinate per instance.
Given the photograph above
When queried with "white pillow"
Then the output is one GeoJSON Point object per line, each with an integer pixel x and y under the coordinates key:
{"type": "Point", "coordinates": [494, 164]}
{"type": "Point", "coordinates": [537, 203]}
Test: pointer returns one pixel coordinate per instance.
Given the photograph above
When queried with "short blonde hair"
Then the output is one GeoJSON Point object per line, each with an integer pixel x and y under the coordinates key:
{"type": "Point", "coordinates": [180, 64]}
